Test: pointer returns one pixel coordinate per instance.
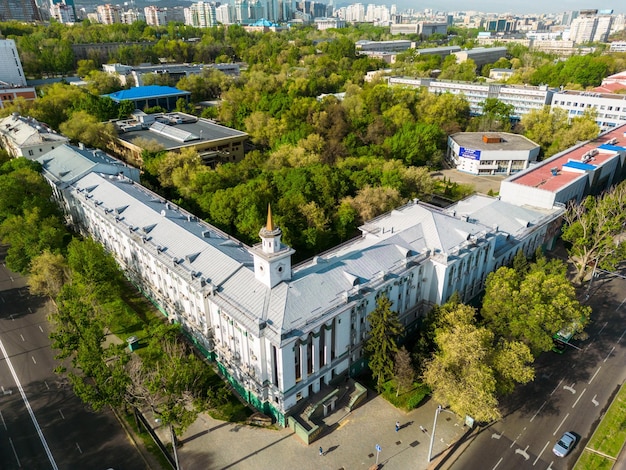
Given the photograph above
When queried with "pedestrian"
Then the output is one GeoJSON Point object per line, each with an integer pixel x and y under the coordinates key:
{"type": "Point", "coordinates": [321, 451]}
{"type": "Point", "coordinates": [397, 426]}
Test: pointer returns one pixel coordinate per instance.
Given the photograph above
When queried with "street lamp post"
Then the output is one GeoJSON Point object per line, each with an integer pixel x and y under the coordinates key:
{"type": "Point", "coordinates": [432, 434]}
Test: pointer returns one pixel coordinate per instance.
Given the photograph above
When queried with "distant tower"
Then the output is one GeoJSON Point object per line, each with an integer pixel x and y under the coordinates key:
{"type": "Point", "coordinates": [272, 259]}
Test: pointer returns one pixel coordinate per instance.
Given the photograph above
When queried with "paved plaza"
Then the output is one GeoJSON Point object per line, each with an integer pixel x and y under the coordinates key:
{"type": "Point", "coordinates": [213, 444]}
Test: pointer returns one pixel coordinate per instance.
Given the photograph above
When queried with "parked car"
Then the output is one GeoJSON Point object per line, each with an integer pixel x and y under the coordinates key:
{"type": "Point", "coordinates": [564, 445]}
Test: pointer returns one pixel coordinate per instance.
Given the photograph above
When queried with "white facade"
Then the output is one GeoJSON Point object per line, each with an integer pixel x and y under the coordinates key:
{"type": "Point", "coordinates": [223, 14]}
{"type": "Point", "coordinates": [523, 98]}
{"type": "Point", "coordinates": [26, 137]}
{"type": "Point", "coordinates": [588, 168]}
{"type": "Point", "coordinates": [62, 13]}
{"type": "Point", "coordinates": [610, 107]}
{"type": "Point", "coordinates": [279, 333]}
{"type": "Point", "coordinates": [109, 14]}
{"type": "Point", "coordinates": [155, 16]}
{"type": "Point", "coordinates": [202, 15]}
{"type": "Point", "coordinates": [491, 153]}
{"type": "Point", "coordinates": [11, 70]}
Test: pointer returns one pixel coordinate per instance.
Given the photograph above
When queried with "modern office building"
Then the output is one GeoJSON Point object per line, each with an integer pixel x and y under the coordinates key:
{"type": "Point", "coordinates": [481, 55]}
{"type": "Point", "coordinates": [491, 153]}
{"type": "Point", "coordinates": [177, 131]}
{"type": "Point", "coordinates": [25, 10]}
{"type": "Point", "coordinates": [586, 169]}
{"type": "Point", "coordinates": [281, 332]}
{"type": "Point", "coordinates": [610, 108]}
{"type": "Point", "coordinates": [523, 98]}
{"type": "Point", "coordinates": [136, 73]}
{"type": "Point", "coordinates": [397, 45]}
{"type": "Point", "coordinates": [11, 71]}
{"type": "Point", "coordinates": [26, 137]}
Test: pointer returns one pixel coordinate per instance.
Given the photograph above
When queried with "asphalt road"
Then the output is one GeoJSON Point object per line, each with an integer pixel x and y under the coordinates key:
{"type": "Point", "coordinates": [43, 425]}
{"type": "Point", "coordinates": [570, 393]}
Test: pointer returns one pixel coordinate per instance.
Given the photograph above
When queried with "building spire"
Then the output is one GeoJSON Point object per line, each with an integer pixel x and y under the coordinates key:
{"type": "Point", "coordinates": [270, 223]}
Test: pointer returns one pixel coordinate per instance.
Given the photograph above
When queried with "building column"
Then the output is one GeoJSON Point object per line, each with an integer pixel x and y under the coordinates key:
{"type": "Point", "coordinates": [304, 360]}
{"type": "Point", "coordinates": [315, 352]}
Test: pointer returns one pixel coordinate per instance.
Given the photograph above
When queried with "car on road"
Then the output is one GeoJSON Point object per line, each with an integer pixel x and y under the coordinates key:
{"type": "Point", "coordinates": [564, 445]}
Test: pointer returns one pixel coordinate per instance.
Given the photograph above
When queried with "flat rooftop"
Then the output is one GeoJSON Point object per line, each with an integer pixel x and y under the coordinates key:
{"type": "Point", "coordinates": [188, 131]}
{"type": "Point", "coordinates": [508, 141]}
{"type": "Point", "coordinates": [560, 170]}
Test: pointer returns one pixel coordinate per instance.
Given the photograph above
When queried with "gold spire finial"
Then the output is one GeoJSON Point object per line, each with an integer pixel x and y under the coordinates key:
{"type": "Point", "coordinates": [270, 223]}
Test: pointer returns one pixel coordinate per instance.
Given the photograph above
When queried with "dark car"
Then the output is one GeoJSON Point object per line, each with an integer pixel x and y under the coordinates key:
{"type": "Point", "coordinates": [564, 445]}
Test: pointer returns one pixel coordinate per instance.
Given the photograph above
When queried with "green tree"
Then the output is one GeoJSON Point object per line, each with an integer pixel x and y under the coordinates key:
{"type": "Point", "coordinates": [381, 346]}
{"type": "Point", "coordinates": [403, 371]}
{"type": "Point", "coordinates": [531, 307]}
{"type": "Point", "coordinates": [459, 372]}
{"type": "Point", "coordinates": [86, 128]}
{"type": "Point", "coordinates": [594, 230]}
{"type": "Point", "coordinates": [48, 274]}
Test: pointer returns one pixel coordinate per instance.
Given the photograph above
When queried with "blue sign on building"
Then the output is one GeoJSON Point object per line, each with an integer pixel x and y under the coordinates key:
{"type": "Point", "coordinates": [469, 153]}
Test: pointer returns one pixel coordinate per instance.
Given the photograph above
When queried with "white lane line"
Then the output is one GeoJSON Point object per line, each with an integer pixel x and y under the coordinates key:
{"type": "Point", "coordinates": [594, 375]}
{"type": "Point", "coordinates": [559, 426]}
{"type": "Point", "coordinates": [33, 358]}
{"type": "Point", "coordinates": [22, 336]}
{"type": "Point", "coordinates": [29, 310]}
{"type": "Point", "coordinates": [15, 453]}
{"type": "Point", "coordinates": [496, 465]}
{"type": "Point", "coordinates": [609, 354]}
{"type": "Point", "coordinates": [3, 423]}
{"type": "Point", "coordinates": [47, 386]}
{"type": "Point", "coordinates": [538, 411]}
{"type": "Point", "coordinates": [79, 449]}
{"type": "Point", "coordinates": [579, 397]}
{"type": "Point", "coordinates": [40, 328]}
{"type": "Point", "coordinates": [61, 413]}
{"type": "Point", "coordinates": [30, 410]}
{"type": "Point", "coordinates": [606, 323]}
{"type": "Point", "coordinates": [539, 456]}
{"type": "Point", "coordinates": [621, 336]}
{"type": "Point", "coordinates": [557, 386]}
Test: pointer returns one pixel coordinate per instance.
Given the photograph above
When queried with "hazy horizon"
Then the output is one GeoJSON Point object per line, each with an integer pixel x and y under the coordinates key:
{"type": "Point", "coordinates": [493, 6]}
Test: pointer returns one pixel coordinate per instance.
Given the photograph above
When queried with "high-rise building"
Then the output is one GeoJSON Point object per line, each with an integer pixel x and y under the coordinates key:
{"type": "Point", "coordinates": [201, 15]}
{"type": "Point", "coordinates": [62, 13]}
{"type": "Point", "coordinates": [155, 16]}
{"type": "Point", "coordinates": [591, 27]}
{"type": "Point", "coordinates": [109, 14]}
{"type": "Point", "coordinates": [242, 12]}
{"type": "Point", "coordinates": [224, 14]}
{"type": "Point", "coordinates": [25, 10]}
{"type": "Point", "coordinates": [11, 71]}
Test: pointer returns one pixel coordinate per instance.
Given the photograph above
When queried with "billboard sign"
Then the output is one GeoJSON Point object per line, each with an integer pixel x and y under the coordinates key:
{"type": "Point", "coordinates": [469, 153]}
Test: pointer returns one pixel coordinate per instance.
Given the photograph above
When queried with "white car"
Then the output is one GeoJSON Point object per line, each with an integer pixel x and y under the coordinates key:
{"type": "Point", "coordinates": [564, 445]}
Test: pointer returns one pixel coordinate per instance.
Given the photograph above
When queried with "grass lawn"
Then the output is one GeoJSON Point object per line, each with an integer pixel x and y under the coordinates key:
{"type": "Point", "coordinates": [608, 438]}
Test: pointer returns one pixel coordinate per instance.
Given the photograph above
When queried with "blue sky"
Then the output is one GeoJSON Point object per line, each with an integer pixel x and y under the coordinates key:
{"type": "Point", "coordinates": [519, 7]}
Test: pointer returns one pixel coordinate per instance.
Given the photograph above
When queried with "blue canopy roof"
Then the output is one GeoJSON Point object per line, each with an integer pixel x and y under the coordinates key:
{"type": "Point", "coordinates": [144, 92]}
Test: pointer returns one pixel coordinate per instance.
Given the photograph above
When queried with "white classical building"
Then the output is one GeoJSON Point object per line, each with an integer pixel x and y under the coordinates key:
{"type": "Point", "coordinates": [280, 332]}
{"type": "Point", "coordinates": [26, 137]}
{"type": "Point", "coordinates": [610, 108]}
{"type": "Point", "coordinates": [491, 153]}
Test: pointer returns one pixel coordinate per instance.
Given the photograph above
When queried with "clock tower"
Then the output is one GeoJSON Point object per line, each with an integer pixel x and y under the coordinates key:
{"type": "Point", "coordinates": [272, 259]}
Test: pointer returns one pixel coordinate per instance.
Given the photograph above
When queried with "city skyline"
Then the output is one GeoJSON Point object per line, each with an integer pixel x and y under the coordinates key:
{"type": "Point", "coordinates": [494, 6]}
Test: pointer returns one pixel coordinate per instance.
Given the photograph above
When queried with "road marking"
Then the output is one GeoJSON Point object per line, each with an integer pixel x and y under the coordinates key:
{"type": "Point", "coordinates": [557, 386]}
{"type": "Point", "coordinates": [29, 310]}
{"type": "Point", "coordinates": [46, 384]}
{"type": "Point", "coordinates": [61, 413]}
{"type": "Point", "coordinates": [6, 392]}
{"type": "Point", "coordinates": [11, 317]}
{"type": "Point", "coordinates": [496, 465]}
{"type": "Point", "coordinates": [33, 358]}
{"type": "Point", "coordinates": [579, 397]}
{"type": "Point", "coordinates": [22, 336]}
{"type": "Point", "coordinates": [3, 423]}
{"type": "Point", "coordinates": [40, 328]}
{"type": "Point", "coordinates": [569, 389]}
{"type": "Point", "coordinates": [594, 375]}
{"type": "Point", "coordinates": [15, 453]}
{"type": "Point", "coordinates": [559, 426]}
{"type": "Point", "coordinates": [79, 449]}
{"type": "Point", "coordinates": [523, 453]}
{"type": "Point", "coordinates": [606, 323]}
{"type": "Point", "coordinates": [539, 456]}
{"type": "Point", "coordinates": [538, 411]}
{"type": "Point", "coordinates": [594, 401]}
{"type": "Point", "coordinates": [496, 435]}
{"type": "Point", "coordinates": [30, 410]}
{"type": "Point", "coordinates": [621, 336]}
{"type": "Point", "coordinates": [609, 354]}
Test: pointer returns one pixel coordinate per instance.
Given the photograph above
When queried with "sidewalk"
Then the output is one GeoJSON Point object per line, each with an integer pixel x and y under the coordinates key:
{"type": "Point", "coordinates": [213, 444]}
